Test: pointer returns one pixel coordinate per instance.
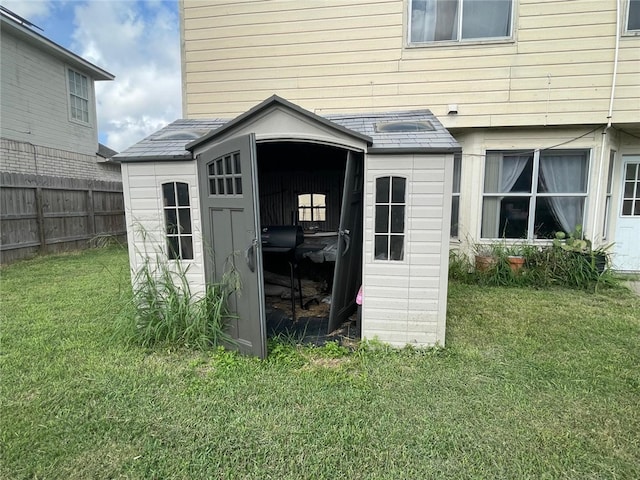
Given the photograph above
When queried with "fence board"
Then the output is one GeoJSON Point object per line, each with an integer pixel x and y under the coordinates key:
{"type": "Point", "coordinates": [40, 214]}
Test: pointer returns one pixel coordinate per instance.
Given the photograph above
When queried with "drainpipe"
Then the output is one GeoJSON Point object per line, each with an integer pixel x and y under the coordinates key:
{"type": "Point", "coordinates": [603, 154]}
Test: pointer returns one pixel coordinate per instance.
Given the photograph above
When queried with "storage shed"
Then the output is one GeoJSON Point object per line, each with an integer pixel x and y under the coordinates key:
{"type": "Point", "coordinates": [365, 197]}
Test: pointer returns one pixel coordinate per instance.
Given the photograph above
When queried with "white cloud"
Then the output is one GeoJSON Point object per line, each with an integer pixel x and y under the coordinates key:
{"type": "Point", "coordinates": [139, 42]}
{"type": "Point", "coordinates": [29, 9]}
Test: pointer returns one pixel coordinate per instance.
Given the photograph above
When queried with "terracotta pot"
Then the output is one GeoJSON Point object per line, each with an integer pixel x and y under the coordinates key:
{"type": "Point", "coordinates": [516, 263]}
{"type": "Point", "coordinates": [485, 263]}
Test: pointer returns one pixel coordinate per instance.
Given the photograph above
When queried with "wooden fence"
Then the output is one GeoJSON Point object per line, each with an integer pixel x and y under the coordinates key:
{"type": "Point", "coordinates": [40, 214]}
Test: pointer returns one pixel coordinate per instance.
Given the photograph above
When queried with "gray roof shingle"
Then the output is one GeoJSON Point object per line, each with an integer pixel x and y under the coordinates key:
{"type": "Point", "coordinates": [169, 143]}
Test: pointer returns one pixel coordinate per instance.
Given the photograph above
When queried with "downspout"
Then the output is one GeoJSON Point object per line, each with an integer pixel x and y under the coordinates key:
{"type": "Point", "coordinates": [606, 129]}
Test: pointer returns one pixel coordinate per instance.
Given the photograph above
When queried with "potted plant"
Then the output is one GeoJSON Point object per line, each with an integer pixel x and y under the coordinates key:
{"type": "Point", "coordinates": [485, 257]}
{"type": "Point", "coordinates": [575, 243]}
{"type": "Point", "coordinates": [516, 262]}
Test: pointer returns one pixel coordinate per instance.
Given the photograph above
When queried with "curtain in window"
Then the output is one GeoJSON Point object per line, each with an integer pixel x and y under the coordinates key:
{"type": "Point", "coordinates": [564, 174]}
{"type": "Point", "coordinates": [500, 176]}
{"type": "Point", "coordinates": [434, 20]}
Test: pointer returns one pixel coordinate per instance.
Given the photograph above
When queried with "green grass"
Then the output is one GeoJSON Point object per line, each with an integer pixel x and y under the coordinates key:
{"type": "Point", "coordinates": [532, 384]}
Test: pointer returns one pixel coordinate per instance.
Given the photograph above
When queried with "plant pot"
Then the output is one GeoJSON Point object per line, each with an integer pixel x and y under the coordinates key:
{"type": "Point", "coordinates": [516, 263]}
{"type": "Point", "coordinates": [599, 260]}
{"type": "Point", "coordinates": [485, 263]}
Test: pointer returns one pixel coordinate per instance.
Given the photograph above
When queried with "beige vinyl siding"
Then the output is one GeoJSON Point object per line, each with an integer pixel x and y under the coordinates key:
{"type": "Point", "coordinates": [35, 100]}
{"type": "Point", "coordinates": [405, 301]}
{"type": "Point", "coordinates": [142, 188]}
{"type": "Point", "coordinates": [351, 55]}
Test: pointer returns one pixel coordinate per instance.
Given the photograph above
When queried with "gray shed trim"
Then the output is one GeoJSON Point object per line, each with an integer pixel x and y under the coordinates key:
{"type": "Point", "coordinates": [267, 104]}
{"type": "Point", "coordinates": [361, 126]}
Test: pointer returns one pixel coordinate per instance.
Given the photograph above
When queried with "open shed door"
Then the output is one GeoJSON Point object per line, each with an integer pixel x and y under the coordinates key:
{"type": "Point", "coordinates": [348, 271]}
{"type": "Point", "coordinates": [231, 235]}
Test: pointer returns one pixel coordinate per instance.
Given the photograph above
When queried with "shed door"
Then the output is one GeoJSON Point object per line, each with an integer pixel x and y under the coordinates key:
{"type": "Point", "coordinates": [626, 253]}
{"type": "Point", "coordinates": [348, 271]}
{"type": "Point", "coordinates": [229, 200]}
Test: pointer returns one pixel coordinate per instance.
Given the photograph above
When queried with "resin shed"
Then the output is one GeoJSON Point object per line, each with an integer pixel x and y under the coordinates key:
{"type": "Point", "coordinates": [352, 201]}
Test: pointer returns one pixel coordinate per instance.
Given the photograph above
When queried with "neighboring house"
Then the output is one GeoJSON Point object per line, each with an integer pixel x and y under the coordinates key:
{"type": "Point", "coordinates": [543, 96]}
{"type": "Point", "coordinates": [49, 125]}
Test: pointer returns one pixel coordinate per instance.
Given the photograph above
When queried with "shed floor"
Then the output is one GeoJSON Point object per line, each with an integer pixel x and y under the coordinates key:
{"type": "Point", "coordinates": [309, 330]}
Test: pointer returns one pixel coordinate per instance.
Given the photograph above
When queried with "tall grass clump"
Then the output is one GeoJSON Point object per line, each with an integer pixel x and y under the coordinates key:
{"type": "Point", "coordinates": [164, 312]}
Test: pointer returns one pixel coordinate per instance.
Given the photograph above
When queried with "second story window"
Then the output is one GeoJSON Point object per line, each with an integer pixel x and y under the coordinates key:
{"type": "Point", "coordinates": [633, 16]}
{"type": "Point", "coordinates": [177, 220]}
{"type": "Point", "coordinates": [78, 96]}
{"type": "Point", "coordinates": [459, 20]}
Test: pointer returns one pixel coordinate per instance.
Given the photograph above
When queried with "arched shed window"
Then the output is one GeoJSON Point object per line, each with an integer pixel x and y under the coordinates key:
{"type": "Point", "coordinates": [177, 220]}
{"type": "Point", "coordinates": [390, 214]}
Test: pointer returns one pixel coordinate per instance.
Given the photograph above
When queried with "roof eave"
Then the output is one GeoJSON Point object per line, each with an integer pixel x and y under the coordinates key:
{"type": "Point", "coordinates": [151, 158]}
{"type": "Point", "coordinates": [410, 150]}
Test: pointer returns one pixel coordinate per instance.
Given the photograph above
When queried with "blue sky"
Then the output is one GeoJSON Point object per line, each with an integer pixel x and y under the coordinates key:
{"type": "Point", "coordinates": [136, 40]}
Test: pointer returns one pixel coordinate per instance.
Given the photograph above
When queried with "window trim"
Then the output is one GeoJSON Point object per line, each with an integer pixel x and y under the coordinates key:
{"type": "Point", "coordinates": [460, 41]}
{"type": "Point", "coordinates": [388, 233]}
{"type": "Point", "coordinates": [177, 207]}
{"type": "Point", "coordinates": [533, 194]}
{"type": "Point", "coordinates": [627, 13]}
{"type": "Point", "coordinates": [68, 71]}
{"type": "Point", "coordinates": [608, 196]}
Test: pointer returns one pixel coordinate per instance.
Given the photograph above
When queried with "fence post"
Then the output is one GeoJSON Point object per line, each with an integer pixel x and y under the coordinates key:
{"type": "Point", "coordinates": [40, 219]}
{"type": "Point", "coordinates": [91, 214]}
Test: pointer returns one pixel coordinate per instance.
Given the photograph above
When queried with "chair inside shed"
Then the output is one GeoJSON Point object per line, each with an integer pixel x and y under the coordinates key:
{"type": "Point", "coordinates": [301, 184]}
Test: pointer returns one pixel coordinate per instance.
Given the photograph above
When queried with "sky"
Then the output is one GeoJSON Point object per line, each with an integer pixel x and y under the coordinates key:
{"type": "Point", "coordinates": [138, 41]}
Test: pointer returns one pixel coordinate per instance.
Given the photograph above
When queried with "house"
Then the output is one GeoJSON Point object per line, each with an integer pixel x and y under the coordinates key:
{"type": "Point", "coordinates": [60, 190]}
{"type": "Point", "coordinates": [370, 191]}
{"type": "Point", "coordinates": [49, 125]}
{"type": "Point", "coordinates": [543, 96]}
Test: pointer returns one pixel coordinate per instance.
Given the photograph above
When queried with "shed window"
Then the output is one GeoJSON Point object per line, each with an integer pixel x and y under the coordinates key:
{"type": "Point", "coordinates": [78, 96]}
{"type": "Point", "coordinates": [459, 20]}
{"type": "Point", "coordinates": [390, 212]}
{"type": "Point", "coordinates": [312, 207]}
{"type": "Point", "coordinates": [225, 175]}
{"type": "Point", "coordinates": [534, 194]}
{"type": "Point", "coordinates": [177, 220]}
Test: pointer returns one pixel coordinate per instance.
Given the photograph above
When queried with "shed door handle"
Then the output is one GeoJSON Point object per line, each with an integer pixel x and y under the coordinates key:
{"type": "Point", "coordinates": [250, 255]}
{"type": "Point", "coordinates": [344, 234]}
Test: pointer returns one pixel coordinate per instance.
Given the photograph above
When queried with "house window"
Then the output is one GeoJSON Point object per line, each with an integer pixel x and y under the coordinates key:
{"type": "Point", "coordinates": [459, 20]}
{"type": "Point", "coordinates": [631, 193]}
{"type": "Point", "coordinates": [78, 96]}
{"type": "Point", "coordinates": [455, 196]}
{"type": "Point", "coordinates": [530, 195]}
{"type": "Point", "coordinates": [633, 16]}
{"type": "Point", "coordinates": [312, 207]}
{"type": "Point", "coordinates": [390, 208]}
{"type": "Point", "coordinates": [607, 201]}
{"type": "Point", "coordinates": [177, 220]}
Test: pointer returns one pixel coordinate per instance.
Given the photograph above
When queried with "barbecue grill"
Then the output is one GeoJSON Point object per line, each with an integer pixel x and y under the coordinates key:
{"type": "Point", "coordinates": [283, 240]}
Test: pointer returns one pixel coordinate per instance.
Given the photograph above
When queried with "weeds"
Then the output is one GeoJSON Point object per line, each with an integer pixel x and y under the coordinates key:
{"type": "Point", "coordinates": [166, 313]}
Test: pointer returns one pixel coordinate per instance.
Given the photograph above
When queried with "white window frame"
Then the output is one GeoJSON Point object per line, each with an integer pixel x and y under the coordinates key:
{"type": "Point", "coordinates": [459, 40]}
{"type": "Point", "coordinates": [533, 195]}
{"type": "Point", "coordinates": [317, 207]}
{"type": "Point", "coordinates": [182, 237]}
{"type": "Point", "coordinates": [388, 233]}
{"type": "Point", "coordinates": [627, 31]}
{"type": "Point", "coordinates": [608, 197]}
{"type": "Point", "coordinates": [73, 95]}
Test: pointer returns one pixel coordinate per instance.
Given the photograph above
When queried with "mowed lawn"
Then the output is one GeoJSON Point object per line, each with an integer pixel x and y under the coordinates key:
{"type": "Point", "coordinates": [537, 384]}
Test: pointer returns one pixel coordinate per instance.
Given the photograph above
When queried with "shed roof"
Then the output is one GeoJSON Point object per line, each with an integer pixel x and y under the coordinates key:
{"type": "Point", "coordinates": [174, 141]}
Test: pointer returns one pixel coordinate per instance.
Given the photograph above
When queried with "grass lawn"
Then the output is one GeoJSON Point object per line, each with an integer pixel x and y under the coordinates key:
{"type": "Point", "coordinates": [533, 384]}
